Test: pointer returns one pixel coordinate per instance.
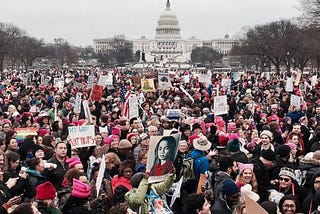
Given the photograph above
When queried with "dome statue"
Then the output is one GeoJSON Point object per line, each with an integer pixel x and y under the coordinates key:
{"type": "Point", "coordinates": [168, 25]}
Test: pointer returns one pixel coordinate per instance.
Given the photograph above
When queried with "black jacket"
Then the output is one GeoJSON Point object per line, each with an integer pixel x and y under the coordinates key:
{"type": "Point", "coordinates": [55, 176]}
{"type": "Point", "coordinates": [220, 206]}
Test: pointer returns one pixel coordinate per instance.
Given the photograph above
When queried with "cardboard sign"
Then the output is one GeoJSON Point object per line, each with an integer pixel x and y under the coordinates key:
{"type": "Point", "coordinates": [147, 85]}
{"type": "Point", "coordinates": [96, 93]}
{"type": "Point", "coordinates": [298, 77]}
{"type": "Point", "coordinates": [220, 105]}
{"type": "Point", "coordinates": [161, 155]}
{"type": "Point", "coordinates": [82, 136]}
{"type": "Point", "coordinates": [253, 207]}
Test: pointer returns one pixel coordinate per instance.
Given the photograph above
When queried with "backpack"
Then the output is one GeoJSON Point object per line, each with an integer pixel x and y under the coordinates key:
{"type": "Point", "coordinates": [187, 170]}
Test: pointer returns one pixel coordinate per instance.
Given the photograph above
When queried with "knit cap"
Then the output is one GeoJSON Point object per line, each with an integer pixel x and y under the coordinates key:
{"type": "Point", "coordinates": [283, 150]}
{"type": "Point", "coordinates": [73, 161]}
{"type": "Point", "coordinates": [229, 187]}
{"type": "Point", "coordinates": [136, 179]}
{"type": "Point", "coordinates": [80, 189]}
{"type": "Point", "coordinates": [45, 191]}
{"type": "Point", "coordinates": [233, 146]}
{"type": "Point", "coordinates": [287, 172]}
{"type": "Point", "coordinates": [268, 155]}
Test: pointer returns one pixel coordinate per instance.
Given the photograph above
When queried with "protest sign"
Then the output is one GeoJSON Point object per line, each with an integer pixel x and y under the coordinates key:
{"type": "Point", "coordinates": [295, 100]}
{"type": "Point", "coordinates": [298, 77]}
{"type": "Point", "coordinates": [23, 132]}
{"type": "Point", "coordinates": [289, 84]}
{"type": "Point", "coordinates": [81, 136]}
{"type": "Point", "coordinates": [133, 106]}
{"type": "Point", "coordinates": [141, 98]}
{"type": "Point", "coordinates": [109, 80]}
{"type": "Point", "coordinates": [220, 105]}
{"type": "Point", "coordinates": [164, 81]}
{"type": "Point", "coordinates": [96, 93]}
{"type": "Point", "coordinates": [91, 80]}
{"type": "Point", "coordinates": [86, 110]}
{"type": "Point", "coordinates": [102, 168]}
{"type": "Point", "coordinates": [161, 155]}
{"type": "Point", "coordinates": [58, 83]}
{"type": "Point", "coordinates": [147, 85]}
{"type": "Point", "coordinates": [77, 105]}
{"type": "Point", "coordinates": [204, 78]}
{"type": "Point", "coordinates": [302, 86]}
{"type": "Point", "coordinates": [102, 80]}
{"type": "Point", "coordinates": [173, 114]}
{"type": "Point", "coordinates": [186, 78]}
{"type": "Point", "coordinates": [313, 80]}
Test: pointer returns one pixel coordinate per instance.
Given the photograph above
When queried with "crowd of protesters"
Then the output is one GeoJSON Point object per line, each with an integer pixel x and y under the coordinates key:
{"type": "Point", "coordinates": [264, 148]}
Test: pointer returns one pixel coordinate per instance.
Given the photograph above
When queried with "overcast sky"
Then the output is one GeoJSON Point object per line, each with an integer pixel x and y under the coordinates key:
{"type": "Point", "coordinates": [80, 21]}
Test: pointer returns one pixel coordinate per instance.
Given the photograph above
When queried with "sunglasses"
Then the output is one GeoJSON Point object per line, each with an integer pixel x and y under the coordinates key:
{"type": "Point", "coordinates": [284, 179]}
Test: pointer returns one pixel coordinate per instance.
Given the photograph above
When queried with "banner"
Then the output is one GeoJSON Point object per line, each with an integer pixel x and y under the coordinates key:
{"type": "Point", "coordinates": [133, 106]}
{"type": "Point", "coordinates": [295, 100]}
{"type": "Point", "coordinates": [164, 81]}
{"type": "Point", "coordinates": [82, 136]}
{"type": "Point", "coordinates": [96, 93]}
{"type": "Point", "coordinates": [220, 105]}
{"type": "Point", "coordinates": [161, 155]}
{"type": "Point", "coordinates": [77, 105]}
{"type": "Point", "coordinates": [23, 132]}
{"type": "Point", "coordinates": [147, 85]}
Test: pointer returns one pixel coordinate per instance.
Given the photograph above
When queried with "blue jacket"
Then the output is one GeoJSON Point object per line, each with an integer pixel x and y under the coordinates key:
{"type": "Point", "coordinates": [201, 164]}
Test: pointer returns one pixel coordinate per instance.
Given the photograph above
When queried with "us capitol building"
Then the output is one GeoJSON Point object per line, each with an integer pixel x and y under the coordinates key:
{"type": "Point", "coordinates": [168, 46]}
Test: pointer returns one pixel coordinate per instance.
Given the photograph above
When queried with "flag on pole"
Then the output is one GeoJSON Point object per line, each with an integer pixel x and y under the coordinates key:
{"type": "Point", "coordinates": [124, 99]}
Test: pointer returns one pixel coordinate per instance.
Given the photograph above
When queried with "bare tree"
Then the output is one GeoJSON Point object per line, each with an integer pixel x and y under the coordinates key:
{"type": "Point", "coordinates": [311, 9]}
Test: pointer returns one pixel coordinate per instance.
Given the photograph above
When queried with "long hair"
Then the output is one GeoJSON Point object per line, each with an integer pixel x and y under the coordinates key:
{"type": "Point", "coordinates": [172, 147]}
{"type": "Point", "coordinates": [253, 181]}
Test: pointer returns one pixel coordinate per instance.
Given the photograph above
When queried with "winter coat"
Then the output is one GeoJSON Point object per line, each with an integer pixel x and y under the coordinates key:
{"type": "Point", "coordinates": [4, 197]}
{"type": "Point", "coordinates": [34, 179]}
{"type": "Point", "coordinates": [218, 181]}
{"type": "Point", "coordinates": [201, 164]}
{"type": "Point", "coordinates": [55, 176]}
{"type": "Point", "coordinates": [220, 206]}
{"type": "Point", "coordinates": [136, 198]}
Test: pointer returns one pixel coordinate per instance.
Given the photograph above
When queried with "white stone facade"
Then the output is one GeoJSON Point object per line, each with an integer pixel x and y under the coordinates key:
{"type": "Point", "coordinates": [168, 46]}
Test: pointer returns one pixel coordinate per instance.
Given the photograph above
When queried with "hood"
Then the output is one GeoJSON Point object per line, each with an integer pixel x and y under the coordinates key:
{"type": "Point", "coordinates": [221, 176]}
{"type": "Point", "coordinates": [34, 173]}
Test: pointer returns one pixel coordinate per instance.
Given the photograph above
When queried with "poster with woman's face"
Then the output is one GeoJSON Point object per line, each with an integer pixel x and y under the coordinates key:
{"type": "Point", "coordinates": [161, 155]}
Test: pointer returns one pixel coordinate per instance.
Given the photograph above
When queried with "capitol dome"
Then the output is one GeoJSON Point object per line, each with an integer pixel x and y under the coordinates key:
{"type": "Point", "coordinates": [168, 25]}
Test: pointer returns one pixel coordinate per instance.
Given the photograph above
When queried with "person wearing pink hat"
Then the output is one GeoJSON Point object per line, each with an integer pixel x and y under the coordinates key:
{"type": "Point", "coordinates": [247, 176]}
{"type": "Point", "coordinates": [75, 162]}
{"type": "Point", "coordinates": [78, 199]}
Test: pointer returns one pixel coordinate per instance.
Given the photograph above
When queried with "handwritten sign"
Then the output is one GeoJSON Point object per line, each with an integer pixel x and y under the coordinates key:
{"type": "Point", "coordinates": [82, 136]}
{"type": "Point", "coordinates": [96, 93]}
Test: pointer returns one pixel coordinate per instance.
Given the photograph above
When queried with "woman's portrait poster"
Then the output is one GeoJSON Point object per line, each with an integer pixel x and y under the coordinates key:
{"type": "Point", "coordinates": [147, 85]}
{"type": "Point", "coordinates": [161, 155]}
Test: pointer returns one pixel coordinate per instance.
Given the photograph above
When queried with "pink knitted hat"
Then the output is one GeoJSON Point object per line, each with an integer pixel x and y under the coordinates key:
{"type": "Point", "coordinates": [73, 161]}
{"type": "Point", "coordinates": [80, 189]}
